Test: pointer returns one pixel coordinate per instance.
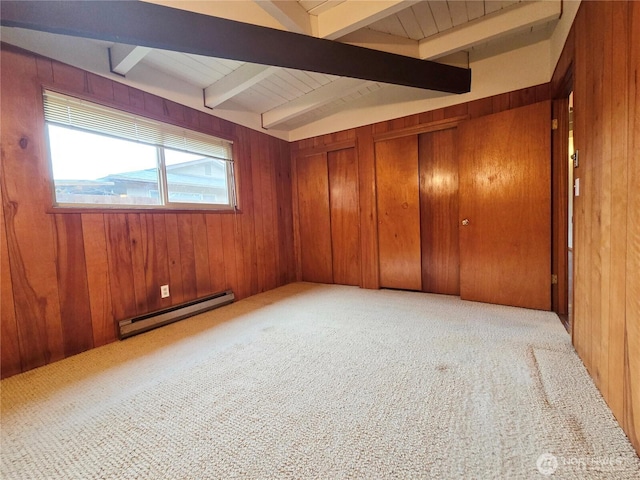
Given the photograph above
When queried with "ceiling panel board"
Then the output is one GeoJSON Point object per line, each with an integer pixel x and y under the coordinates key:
{"type": "Point", "coordinates": [410, 24]}
{"type": "Point", "coordinates": [458, 10]}
{"type": "Point", "coordinates": [491, 6]}
{"type": "Point", "coordinates": [253, 101]}
{"type": "Point", "coordinates": [475, 9]}
{"type": "Point", "coordinates": [293, 81]}
{"type": "Point", "coordinates": [282, 88]}
{"type": "Point", "coordinates": [441, 15]}
{"type": "Point", "coordinates": [269, 95]}
{"type": "Point", "coordinates": [423, 14]}
{"type": "Point", "coordinates": [318, 7]}
{"type": "Point", "coordinates": [390, 25]}
{"type": "Point", "coordinates": [181, 66]}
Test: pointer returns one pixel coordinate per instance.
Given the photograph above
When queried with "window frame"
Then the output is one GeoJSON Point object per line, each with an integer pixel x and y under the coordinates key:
{"type": "Point", "coordinates": [233, 181]}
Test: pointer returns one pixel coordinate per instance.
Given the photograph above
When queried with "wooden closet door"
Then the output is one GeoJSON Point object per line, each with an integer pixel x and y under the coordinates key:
{"type": "Point", "coordinates": [314, 219]}
{"type": "Point", "coordinates": [345, 218]}
{"type": "Point", "coordinates": [398, 200]}
{"type": "Point", "coordinates": [505, 195]}
{"type": "Point", "coordinates": [439, 212]}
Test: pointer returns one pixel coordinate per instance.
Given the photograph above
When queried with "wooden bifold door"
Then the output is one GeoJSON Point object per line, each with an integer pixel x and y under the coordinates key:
{"type": "Point", "coordinates": [328, 213]}
{"type": "Point", "coordinates": [467, 210]}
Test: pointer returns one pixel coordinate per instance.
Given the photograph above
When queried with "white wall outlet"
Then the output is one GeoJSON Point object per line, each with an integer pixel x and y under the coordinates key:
{"type": "Point", "coordinates": [164, 291]}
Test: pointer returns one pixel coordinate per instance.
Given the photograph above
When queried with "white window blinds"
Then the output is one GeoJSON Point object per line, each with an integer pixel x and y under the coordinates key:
{"type": "Point", "coordinates": [65, 110]}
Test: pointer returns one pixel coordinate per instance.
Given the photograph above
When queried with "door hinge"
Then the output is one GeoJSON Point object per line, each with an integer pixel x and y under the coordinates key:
{"type": "Point", "coordinates": [554, 124]}
{"type": "Point", "coordinates": [554, 279]}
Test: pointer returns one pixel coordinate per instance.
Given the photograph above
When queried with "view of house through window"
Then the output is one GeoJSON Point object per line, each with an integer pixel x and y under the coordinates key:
{"type": "Point", "coordinates": [98, 160]}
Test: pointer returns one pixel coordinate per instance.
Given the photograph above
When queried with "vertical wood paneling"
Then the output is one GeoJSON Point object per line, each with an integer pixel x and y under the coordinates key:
{"type": "Point", "coordinates": [267, 187]}
{"type": "Point", "coordinates": [98, 268]}
{"type": "Point", "coordinates": [174, 258]}
{"type": "Point", "coordinates": [73, 290]}
{"type": "Point", "coordinates": [259, 206]}
{"type": "Point", "coordinates": [157, 262]}
{"type": "Point", "coordinates": [245, 173]}
{"type": "Point", "coordinates": [559, 206]}
{"type": "Point", "coordinates": [201, 255]}
{"type": "Point", "coordinates": [345, 225]}
{"type": "Point", "coordinates": [216, 253]}
{"type": "Point", "coordinates": [632, 334]}
{"type": "Point", "coordinates": [439, 212]}
{"type": "Point", "coordinates": [229, 251]}
{"type": "Point", "coordinates": [187, 256]}
{"type": "Point", "coordinates": [138, 263]}
{"type": "Point", "coordinates": [30, 238]}
{"type": "Point", "coordinates": [618, 169]}
{"type": "Point", "coordinates": [285, 215]}
{"type": "Point", "coordinates": [603, 49]}
{"type": "Point", "coordinates": [95, 245]}
{"type": "Point", "coordinates": [398, 199]}
{"type": "Point", "coordinates": [314, 219]}
{"type": "Point", "coordinates": [368, 208]}
{"type": "Point", "coordinates": [10, 363]}
{"type": "Point", "coordinates": [123, 297]}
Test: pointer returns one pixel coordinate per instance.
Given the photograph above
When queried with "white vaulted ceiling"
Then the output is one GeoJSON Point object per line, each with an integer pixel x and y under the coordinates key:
{"type": "Point", "coordinates": [507, 44]}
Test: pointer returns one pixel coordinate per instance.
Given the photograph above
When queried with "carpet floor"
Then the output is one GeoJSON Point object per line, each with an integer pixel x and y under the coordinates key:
{"type": "Point", "coordinates": [319, 381]}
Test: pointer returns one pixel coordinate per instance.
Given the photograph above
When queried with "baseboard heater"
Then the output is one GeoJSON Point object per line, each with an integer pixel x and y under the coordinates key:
{"type": "Point", "coordinates": [149, 321]}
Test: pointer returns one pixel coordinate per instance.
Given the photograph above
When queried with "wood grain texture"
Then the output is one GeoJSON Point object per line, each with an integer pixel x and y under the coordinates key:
{"type": "Point", "coordinates": [345, 213]}
{"type": "Point", "coordinates": [505, 255]}
{"type": "Point", "coordinates": [10, 362]}
{"type": "Point", "coordinates": [602, 52]}
{"type": "Point", "coordinates": [559, 206]}
{"type": "Point", "coordinates": [201, 255]}
{"type": "Point", "coordinates": [369, 254]}
{"type": "Point", "coordinates": [398, 200]}
{"type": "Point", "coordinates": [314, 219]}
{"type": "Point", "coordinates": [95, 245]}
{"type": "Point", "coordinates": [73, 289]}
{"type": "Point", "coordinates": [632, 334]}
{"type": "Point", "coordinates": [99, 268]}
{"type": "Point", "coordinates": [29, 231]}
{"type": "Point", "coordinates": [439, 212]}
{"type": "Point", "coordinates": [123, 299]}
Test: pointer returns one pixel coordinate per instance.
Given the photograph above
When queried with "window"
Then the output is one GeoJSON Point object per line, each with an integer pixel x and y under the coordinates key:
{"type": "Point", "coordinates": [103, 157]}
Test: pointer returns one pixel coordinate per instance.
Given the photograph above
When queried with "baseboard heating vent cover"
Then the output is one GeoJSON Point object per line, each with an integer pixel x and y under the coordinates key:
{"type": "Point", "coordinates": [143, 323]}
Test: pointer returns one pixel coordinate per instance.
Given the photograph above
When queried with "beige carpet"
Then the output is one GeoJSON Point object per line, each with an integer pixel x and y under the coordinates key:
{"type": "Point", "coordinates": [315, 381]}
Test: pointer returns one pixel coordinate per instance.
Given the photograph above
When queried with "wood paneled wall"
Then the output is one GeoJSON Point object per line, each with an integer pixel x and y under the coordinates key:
{"type": "Point", "coordinates": [364, 139]}
{"type": "Point", "coordinates": [68, 278]}
{"type": "Point", "coordinates": [604, 51]}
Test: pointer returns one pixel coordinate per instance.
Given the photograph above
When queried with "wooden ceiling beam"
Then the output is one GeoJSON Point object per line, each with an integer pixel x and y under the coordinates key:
{"type": "Point", "coordinates": [155, 26]}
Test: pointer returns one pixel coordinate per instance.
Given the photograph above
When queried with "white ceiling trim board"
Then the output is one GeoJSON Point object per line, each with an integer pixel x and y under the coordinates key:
{"type": "Point", "coordinates": [290, 14]}
{"type": "Point", "coordinates": [352, 15]}
{"type": "Point", "coordinates": [236, 82]}
{"type": "Point", "coordinates": [311, 101]}
{"type": "Point", "coordinates": [124, 57]}
{"type": "Point", "coordinates": [488, 28]}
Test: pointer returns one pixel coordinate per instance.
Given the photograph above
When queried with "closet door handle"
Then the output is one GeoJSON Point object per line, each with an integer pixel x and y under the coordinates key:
{"type": "Point", "coordinates": [465, 222]}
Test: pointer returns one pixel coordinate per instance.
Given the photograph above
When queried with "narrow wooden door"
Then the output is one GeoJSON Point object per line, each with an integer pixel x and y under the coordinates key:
{"type": "Point", "coordinates": [398, 201]}
{"type": "Point", "coordinates": [439, 212]}
{"type": "Point", "coordinates": [345, 224]}
{"type": "Point", "coordinates": [505, 207]}
{"type": "Point", "coordinates": [314, 219]}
